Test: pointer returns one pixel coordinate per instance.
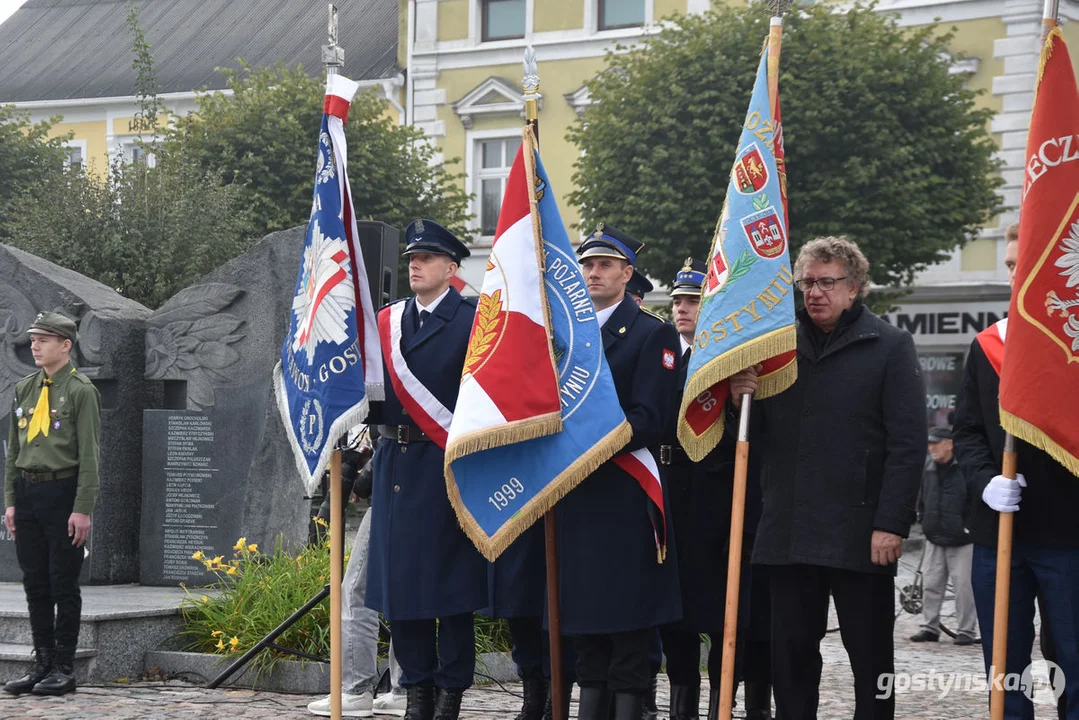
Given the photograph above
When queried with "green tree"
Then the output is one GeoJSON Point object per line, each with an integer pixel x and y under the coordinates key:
{"type": "Point", "coordinates": [146, 232]}
{"type": "Point", "coordinates": [28, 157]}
{"type": "Point", "coordinates": [883, 144]}
{"type": "Point", "coordinates": [263, 136]}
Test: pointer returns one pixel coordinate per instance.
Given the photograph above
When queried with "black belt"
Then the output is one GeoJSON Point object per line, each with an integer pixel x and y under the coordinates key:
{"type": "Point", "coordinates": [35, 476]}
{"type": "Point", "coordinates": [672, 455]}
{"type": "Point", "coordinates": [403, 434]}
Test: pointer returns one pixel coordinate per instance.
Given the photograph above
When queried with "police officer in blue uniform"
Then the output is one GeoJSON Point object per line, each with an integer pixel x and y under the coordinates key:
{"type": "Point", "coordinates": [614, 591]}
{"type": "Point", "coordinates": [421, 566]}
{"type": "Point", "coordinates": [700, 511]}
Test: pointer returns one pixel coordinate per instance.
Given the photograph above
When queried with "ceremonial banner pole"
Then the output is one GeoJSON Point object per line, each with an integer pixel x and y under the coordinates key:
{"type": "Point", "coordinates": [1005, 529]}
{"type": "Point", "coordinates": [333, 57]}
{"type": "Point", "coordinates": [741, 458]}
{"type": "Point", "coordinates": [530, 85]}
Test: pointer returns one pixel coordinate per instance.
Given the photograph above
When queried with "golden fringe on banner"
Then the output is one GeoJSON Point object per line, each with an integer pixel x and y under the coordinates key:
{"type": "Point", "coordinates": [717, 369]}
{"type": "Point", "coordinates": [1047, 52]}
{"type": "Point", "coordinates": [505, 434]}
{"type": "Point", "coordinates": [1029, 432]}
{"type": "Point", "coordinates": [537, 507]}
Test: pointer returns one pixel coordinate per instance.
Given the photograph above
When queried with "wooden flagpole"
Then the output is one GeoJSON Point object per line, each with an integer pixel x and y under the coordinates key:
{"type": "Point", "coordinates": [530, 85]}
{"type": "Point", "coordinates": [333, 57]}
{"type": "Point", "coordinates": [1005, 529]}
{"type": "Point", "coordinates": [734, 562]}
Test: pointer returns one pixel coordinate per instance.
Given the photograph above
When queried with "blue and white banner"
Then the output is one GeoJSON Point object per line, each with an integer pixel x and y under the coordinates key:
{"type": "Point", "coordinates": [500, 492]}
{"type": "Point", "coordinates": [331, 364]}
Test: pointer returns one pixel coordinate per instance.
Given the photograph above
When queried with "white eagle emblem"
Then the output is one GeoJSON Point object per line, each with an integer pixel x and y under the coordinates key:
{"type": "Point", "coordinates": [326, 164]}
{"type": "Point", "coordinates": [1069, 264]}
{"type": "Point", "coordinates": [325, 295]}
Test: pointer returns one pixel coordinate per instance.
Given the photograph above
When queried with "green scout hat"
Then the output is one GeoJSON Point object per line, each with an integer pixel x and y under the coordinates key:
{"type": "Point", "coordinates": [49, 323]}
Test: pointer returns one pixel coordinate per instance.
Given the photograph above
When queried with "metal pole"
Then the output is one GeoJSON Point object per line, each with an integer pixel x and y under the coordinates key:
{"type": "Point", "coordinates": [333, 56]}
{"type": "Point", "coordinates": [1049, 17]}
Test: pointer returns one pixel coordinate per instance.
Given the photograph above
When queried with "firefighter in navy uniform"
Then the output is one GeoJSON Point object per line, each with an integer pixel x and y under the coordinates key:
{"type": "Point", "coordinates": [422, 568]}
{"type": "Point", "coordinates": [614, 590]}
{"type": "Point", "coordinates": [700, 513]}
{"type": "Point", "coordinates": [639, 286]}
{"type": "Point", "coordinates": [51, 483]}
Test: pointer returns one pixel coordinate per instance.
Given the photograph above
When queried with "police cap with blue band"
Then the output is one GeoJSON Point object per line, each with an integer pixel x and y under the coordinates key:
{"type": "Point", "coordinates": [639, 285]}
{"type": "Point", "coordinates": [609, 241]}
{"type": "Point", "coordinates": [690, 278]}
{"type": "Point", "coordinates": [427, 236]}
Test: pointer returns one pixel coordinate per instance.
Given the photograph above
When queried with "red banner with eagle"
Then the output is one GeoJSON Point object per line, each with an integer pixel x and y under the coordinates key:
{"type": "Point", "coordinates": [1040, 372]}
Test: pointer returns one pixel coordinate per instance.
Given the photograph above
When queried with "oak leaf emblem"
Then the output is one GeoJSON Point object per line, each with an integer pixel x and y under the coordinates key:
{"type": "Point", "coordinates": [485, 330]}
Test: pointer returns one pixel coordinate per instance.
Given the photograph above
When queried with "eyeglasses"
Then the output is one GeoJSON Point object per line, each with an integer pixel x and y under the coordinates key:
{"type": "Point", "coordinates": [824, 283]}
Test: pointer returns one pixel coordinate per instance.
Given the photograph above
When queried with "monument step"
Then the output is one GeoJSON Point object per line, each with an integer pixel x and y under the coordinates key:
{"type": "Point", "coordinates": [15, 661]}
{"type": "Point", "coordinates": [120, 623]}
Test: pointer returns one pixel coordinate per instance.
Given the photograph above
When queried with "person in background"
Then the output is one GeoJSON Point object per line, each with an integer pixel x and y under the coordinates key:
{"type": "Point", "coordinates": [639, 286]}
{"type": "Point", "coordinates": [948, 548]}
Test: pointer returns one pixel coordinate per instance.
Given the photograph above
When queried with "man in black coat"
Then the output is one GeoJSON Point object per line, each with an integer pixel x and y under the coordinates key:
{"type": "Point", "coordinates": [614, 589]}
{"type": "Point", "coordinates": [842, 453]}
{"type": "Point", "coordinates": [948, 550]}
{"type": "Point", "coordinates": [1045, 547]}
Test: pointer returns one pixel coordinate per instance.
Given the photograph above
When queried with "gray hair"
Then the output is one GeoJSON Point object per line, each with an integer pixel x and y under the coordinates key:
{"type": "Point", "coordinates": [826, 249]}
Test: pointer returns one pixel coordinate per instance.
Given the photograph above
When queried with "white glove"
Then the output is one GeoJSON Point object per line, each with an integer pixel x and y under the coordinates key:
{"type": "Point", "coordinates": [1002, 494]}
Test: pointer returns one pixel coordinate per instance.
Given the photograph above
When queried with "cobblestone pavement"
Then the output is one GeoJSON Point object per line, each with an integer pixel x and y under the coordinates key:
{"type": "Point", "coordinates": [176, 699]}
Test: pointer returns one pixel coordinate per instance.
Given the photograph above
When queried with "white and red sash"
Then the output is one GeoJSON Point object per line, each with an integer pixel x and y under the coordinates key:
{"type": "Point", "coordinates": [421, 405]}
{"type": "Point", "coordinates": [992, 342]}
{"type": "Point", "coordinates": [642, 465]}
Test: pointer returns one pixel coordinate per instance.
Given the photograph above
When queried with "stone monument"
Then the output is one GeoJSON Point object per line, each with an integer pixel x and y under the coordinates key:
{"type": "Point", "coordinates": [216, 460]}
{"type": "Point", "coordinates": [109, 352]}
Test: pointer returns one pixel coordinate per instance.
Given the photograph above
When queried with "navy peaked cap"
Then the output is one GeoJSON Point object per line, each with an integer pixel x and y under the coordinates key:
{"type": "Point", "coordinates": [427, 236]}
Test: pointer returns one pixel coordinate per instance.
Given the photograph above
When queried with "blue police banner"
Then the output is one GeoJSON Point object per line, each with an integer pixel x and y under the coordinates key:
{"type": "Point", "coordinates": [331, 364]}
{"type": "Point", "coordinates": [746, 313]}
{"type": "Point", "coordinates": [498, 493]}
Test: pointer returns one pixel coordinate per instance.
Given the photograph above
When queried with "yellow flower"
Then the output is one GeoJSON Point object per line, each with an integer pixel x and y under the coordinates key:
{"type": "Point", "coordinates": [240, 544]}
{"type": "Point", "coordinates": [208, 564]}
{"type": "Point", "coordinates": [198, 555]}
{"type": "Point", "coordinates": [220, 645]}
{"type": "Point", "coordinates": [206, 598]}
{"type": "Point", "coordinates": [219, 559]}
{"type": "Point", "coordinates": [234, 642]}
{"type": "Point", "coordinates": [253, 547]}
{"type": "Point", "coordinates": [217, 633]}
{"type": "Point", "coordinates": [232, 571]}
{"type": "Point", "coordinates": [320, 521]}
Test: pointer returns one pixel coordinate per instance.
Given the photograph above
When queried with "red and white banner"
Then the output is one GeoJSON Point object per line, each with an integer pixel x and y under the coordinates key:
{"type": "Point", "coordinates": [642, 465]}
{"type": "Point", "coordinates": [510, 340]}
{"type": "Point", "coordinates": [991, 341]}
{"type": "Point", "coordinates": [1039, 379]}
{"type": "Point", "coordinates": [429, 414]}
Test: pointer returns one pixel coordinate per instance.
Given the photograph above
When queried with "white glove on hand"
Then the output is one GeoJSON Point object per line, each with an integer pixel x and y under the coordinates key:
{"type": "Point", "coordinates": [1002, 494]}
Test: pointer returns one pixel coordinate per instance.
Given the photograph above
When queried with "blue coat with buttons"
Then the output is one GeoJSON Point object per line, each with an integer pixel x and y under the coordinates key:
{"type": "Point", "coordinates": [420, 563]}
{"type": "Point", "coordinates": [609, 579]}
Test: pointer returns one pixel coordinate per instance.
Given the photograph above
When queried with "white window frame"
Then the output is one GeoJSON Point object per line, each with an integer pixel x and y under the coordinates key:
{"type": "Point", "coordinates": [126, 148]}
{"type": "Point", "coordinates": [81, 145]}
{"type": "Point", "coordinates": [591, 18]}
{"type": "Point", "coordinates": [475, 24]}
{"type": "Point", "coordinates": [474, 176]}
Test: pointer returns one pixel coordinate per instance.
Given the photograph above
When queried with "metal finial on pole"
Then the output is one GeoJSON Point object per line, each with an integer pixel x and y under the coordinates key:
{"type": "Point", "coordinates": [333, 55]}
{"type": "Point", "coordinates": [779, 7]}
{"type": "Point", "coordinates": [530, 84]}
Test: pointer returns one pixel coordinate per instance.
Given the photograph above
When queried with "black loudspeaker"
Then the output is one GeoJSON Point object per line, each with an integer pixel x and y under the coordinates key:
{"type": "Point", "coordinates": [381, 247]}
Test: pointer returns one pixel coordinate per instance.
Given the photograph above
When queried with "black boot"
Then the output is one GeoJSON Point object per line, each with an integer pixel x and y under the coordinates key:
{"type": "Point", "coordinates": [595, 703]}
{"type": "Point", "coordinates": [650, 710]}
{"type": "Point", "coordinates": [628, 706]}
{"type": "Point", "coordinates": [685, 702]}
{"type": "Point", "coordinates": [535, 695]}
{"type": "Point", "coordinates": [448, 706]}
{"type": "Point", "coordinates": [38, 671]}
{"type": "Point", "coordinates": [548, 708]}
{"type": "Point", "coordinates": [421, 702]}
{"type": "Point", "coordinates": [758, 701]}
{"type": "Point", "coordinates": [61, 680]}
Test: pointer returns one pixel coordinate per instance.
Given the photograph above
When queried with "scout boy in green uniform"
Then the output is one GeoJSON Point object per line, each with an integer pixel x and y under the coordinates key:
{"type": "Point", "coordinates": [50, 484]}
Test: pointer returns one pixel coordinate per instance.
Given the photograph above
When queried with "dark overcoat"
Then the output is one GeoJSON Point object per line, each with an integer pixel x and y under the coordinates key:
{"type": "Point", "coordinates": [421, 564]}
{"type": "Point", "coordinates": [842, 450]}
{"type": "Point", "coordinates": [610, 580]}
{"type": "Point", "coordinates": [517, 580]}
{"type": "Point", "coordinates": [701, 495]}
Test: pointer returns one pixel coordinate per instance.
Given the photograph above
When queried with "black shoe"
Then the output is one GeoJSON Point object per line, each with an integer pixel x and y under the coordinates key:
{"type": "Point", "coordinates": [925, 636]}
{"type": "Point", "coordinates": [421, 702]}
{"type": "Point", "coordinates": [595, 704]}
{"type": "Point", "coordinates": [535, 696]}
{"type": "Point", "coordinates": [962, 639]}
{"type": "Point", "coordinates": [650, 710]}
{"type": "Point", "coordinates": [61, 680]}
{"type": "Point", "coordinates": [448, 706]}
{"type": "Point", "coordinates": [758, 700]}
{"type": "Point", "coordinates": [38, 671]}
{"type": "Point", "coordinates": [685, 702]}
